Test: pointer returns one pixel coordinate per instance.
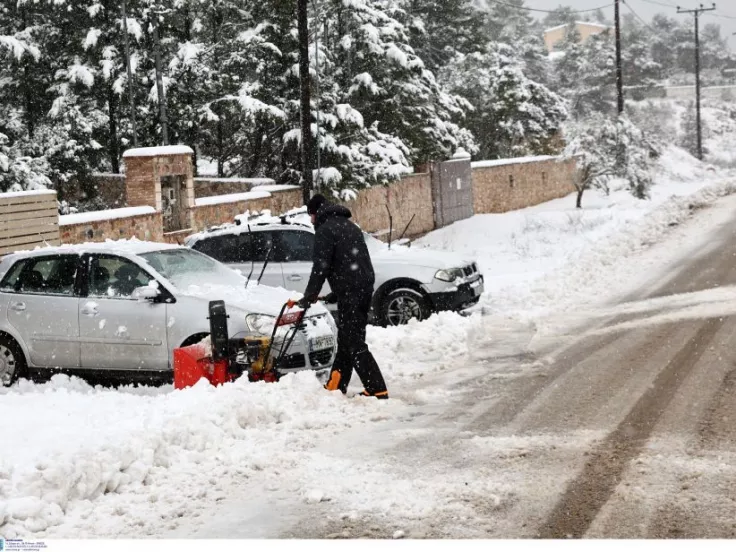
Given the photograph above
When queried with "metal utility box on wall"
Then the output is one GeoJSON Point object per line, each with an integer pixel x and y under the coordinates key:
{"type": "Point", "coordinates": [452, 189]}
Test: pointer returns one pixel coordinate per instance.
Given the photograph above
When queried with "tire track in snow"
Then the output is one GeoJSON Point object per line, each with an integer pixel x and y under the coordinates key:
{"type": "Point", "coordinates": [590, 491]}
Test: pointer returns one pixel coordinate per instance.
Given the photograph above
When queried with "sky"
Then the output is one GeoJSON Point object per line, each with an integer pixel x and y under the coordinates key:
{"type": "Point", "coordinates": [647, 8]}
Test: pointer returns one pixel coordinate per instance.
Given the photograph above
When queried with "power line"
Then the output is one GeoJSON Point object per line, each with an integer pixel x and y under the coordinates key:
{"type": "Point", "coordinates": [524, 8]}
{"type": "Point", "coordinates": [647, 25]}
{"type": "Point", "coordinates": [721, 15]}
{"type": "Point", "coordinates": [663, 4]}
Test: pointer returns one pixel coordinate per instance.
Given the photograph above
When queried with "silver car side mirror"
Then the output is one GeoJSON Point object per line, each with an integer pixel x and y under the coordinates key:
{"type": "Point", "coordinates": [146, 293]}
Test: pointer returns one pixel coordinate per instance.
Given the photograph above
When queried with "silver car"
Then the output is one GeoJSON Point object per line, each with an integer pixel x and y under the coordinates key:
{"type": "Point", "coordinates": [411, 283]}
{"type": "Point", "coordinates": [122, 308]}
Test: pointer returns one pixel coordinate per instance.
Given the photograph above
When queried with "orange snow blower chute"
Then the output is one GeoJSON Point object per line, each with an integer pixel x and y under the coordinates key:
{"type": "Point", "coordinates": [225, 359]}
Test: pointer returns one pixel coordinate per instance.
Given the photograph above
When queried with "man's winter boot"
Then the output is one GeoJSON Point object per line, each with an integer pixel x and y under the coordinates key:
{"type": "Point", "coordinates": [382, 395]}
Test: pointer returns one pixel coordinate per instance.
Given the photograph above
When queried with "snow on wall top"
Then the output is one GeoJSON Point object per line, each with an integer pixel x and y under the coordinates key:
{"type": "Point", "coordinates": [274, 188]}
{"type": "Point", "coordinates": [132, 246]}
{"type": "Point", "coordinates": [589, 23]}
{"type": "Point", "coordinates": [158, 150]}
{"type": "Point", "coordinates": [24, 193]}
{"type": "Point", "coordinates": [513, 161]}
{"type": "Point", "coordinates": [230, 198]}
{"type": "Point", "coordinates": [107, 214]}
{"type": "Point", "coordinates": [253, 181]}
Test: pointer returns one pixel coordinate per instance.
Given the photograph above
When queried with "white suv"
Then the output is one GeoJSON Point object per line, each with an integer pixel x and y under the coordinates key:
{"type": "Point", "coordinates": [410, 283]}
{"type": "Point", "coordinates": [123, 307]}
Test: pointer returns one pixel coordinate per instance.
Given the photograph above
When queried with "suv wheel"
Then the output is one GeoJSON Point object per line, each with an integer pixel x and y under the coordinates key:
{"type": "Point", "coordinates": [402, 305]}
{"type": "Point", "coordinates": [12, 361]}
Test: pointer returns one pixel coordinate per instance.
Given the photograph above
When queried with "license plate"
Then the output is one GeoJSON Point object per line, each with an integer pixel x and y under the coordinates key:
{"type": "Point", "coordinates": [321, 343]}
{"type": "Point", "coordinates": [477, 287]}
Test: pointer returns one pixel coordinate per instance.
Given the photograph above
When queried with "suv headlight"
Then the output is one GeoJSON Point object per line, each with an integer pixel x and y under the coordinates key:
{"type": "Point", "coordinates": [449, 275]}
{"type": "Point", "coordinates": [260, 323]}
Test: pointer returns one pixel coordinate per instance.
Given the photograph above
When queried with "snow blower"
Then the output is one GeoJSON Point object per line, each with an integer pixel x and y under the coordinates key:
{"type": "Point", "coordinates": [224, 359]}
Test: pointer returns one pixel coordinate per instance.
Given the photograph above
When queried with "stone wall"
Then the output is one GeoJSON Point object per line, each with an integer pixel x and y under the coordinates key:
{"type": "Point", "coordinates": [206, 216]}
{"type": "Point", "coordinates": [410, 196]}
{"type": "Point", "coordinates": [148, 227]}
{"type": "Point", "coordinates": [209, 187]}
{"type": "Point", "coordinates": [498, 186]}
{"type": "Point", "coordinates": [510, 184]}
{"type": "Point", "coordinates": [111, 188]}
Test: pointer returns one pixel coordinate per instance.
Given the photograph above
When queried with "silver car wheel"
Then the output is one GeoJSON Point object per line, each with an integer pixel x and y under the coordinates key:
{"type": "Point", "coordinates": [402, 309]}
{"type": "Point", "coordinates": [8, 365]}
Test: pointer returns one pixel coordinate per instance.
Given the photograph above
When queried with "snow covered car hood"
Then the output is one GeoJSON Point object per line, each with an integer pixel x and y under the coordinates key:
{"type": "Point", "coordinates": [257, 299]}
{"type": "Point", "coordinates": [427, 258]}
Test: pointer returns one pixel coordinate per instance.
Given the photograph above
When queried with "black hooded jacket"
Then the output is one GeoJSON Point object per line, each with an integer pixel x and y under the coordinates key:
{"type": "Point", "coordinates": [340, 255]}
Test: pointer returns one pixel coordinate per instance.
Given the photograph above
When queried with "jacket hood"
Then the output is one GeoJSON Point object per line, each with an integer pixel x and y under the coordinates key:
{"type": "Point", "coordinates": [329, 211]}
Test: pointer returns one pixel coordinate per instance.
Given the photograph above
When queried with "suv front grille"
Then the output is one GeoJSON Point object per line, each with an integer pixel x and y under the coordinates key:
{"type": "Point", "coordinates": [321, 358]}
{"type": "Point", "coordinates": [470, 269]}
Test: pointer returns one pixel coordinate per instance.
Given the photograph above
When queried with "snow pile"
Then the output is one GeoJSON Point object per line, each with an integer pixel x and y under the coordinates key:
{"type": "Point", "coordinates": [719, 122]}
{"type": "Point", "coordinates": [97, 455]}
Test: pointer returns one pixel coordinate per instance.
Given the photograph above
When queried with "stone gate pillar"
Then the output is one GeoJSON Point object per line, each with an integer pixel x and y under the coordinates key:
{"type": "Point", "coordinates": [163, 178]}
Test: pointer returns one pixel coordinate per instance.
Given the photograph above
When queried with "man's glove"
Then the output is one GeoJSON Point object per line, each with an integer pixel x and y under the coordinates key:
{"type": "Point", "coordinates": [330, 299]}
{"type": "Point", "coordinates": [302, 303]}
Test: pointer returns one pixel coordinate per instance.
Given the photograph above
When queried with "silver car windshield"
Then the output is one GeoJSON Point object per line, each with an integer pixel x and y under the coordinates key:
{"type": "Point", "coordinates": [185, 267]}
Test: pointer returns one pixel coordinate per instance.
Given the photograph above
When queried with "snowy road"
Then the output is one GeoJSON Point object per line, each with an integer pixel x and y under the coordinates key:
{"type": "Point", "coordinates": [622, 427]}
{"type": "Point", "coordinates": [593, 401]}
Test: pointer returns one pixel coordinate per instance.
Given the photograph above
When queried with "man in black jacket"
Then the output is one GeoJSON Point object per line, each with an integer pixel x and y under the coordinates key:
{"type": "Point", "coordinates": [341, 258]}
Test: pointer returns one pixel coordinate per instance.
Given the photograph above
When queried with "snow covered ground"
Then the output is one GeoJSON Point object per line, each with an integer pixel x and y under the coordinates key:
{"type": "Point", "coordinates": [133, 462]}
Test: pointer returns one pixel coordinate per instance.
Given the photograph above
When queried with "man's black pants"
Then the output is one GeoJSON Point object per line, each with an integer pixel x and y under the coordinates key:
{"type": "Point", "coordinates": [352, 350]}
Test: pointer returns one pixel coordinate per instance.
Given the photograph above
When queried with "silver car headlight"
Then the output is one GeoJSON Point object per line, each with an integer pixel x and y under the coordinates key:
{"type": "Point", "coordinates": [449, 274]}
{"type": "Point", "coordinates": [331, 322]}
{"type": "Point", "coordinates": [262, 324]}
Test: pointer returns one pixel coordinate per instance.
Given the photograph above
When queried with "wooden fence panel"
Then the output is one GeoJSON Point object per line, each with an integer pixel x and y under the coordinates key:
{"type": "Point", "coordinates": [27, 220]}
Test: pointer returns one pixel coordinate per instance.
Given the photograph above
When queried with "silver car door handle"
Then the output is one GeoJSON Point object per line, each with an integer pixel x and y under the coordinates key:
{"type": "Point", "coordinates": [18, 307]}
{"type": "Point", "coordinates": [90, 311]}
{"type": "Point", "coordinates": [295, 278]}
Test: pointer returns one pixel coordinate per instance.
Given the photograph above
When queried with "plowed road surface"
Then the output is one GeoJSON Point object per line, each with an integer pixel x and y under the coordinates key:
{"type": "Point", "coordinates": [626, 433]}
{"type": "Point", "coordinates": [627, 428]}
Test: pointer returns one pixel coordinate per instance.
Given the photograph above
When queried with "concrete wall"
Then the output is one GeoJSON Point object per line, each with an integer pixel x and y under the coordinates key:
{"type": "Point", "coordinates": [518, 183]}
{"type": "Point", "coordinates": [411, 196]}
{"type": "Point", "coordinates": [147, 227]}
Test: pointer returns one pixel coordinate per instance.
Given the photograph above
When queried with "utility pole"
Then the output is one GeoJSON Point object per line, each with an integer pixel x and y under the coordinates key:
{"type": "Point", "coordinates": [697, 13]}
{"type": "Point", "coordinates": [131, 90]}
{"type": "Point", "coordinates": [619, 70]}
{"type": "Point", "coordinates": [318, 183]}
{"type": "Point", "coordinates": [305, 100]}
{"type": "Point", "coordinates": [160, 82]}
